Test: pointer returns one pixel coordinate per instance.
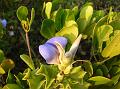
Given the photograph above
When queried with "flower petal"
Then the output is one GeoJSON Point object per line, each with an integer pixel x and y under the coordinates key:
{"type": "Point", "coordinates": [61, 52]}
{"type": "Point", "coordinates": [50, 53]}
{"type": "Point", "coordinates": [4, 22]}
{"type": "Point", "coordinates": [61, 40]}
{"type": "Point", "coordinates": [71, 53]}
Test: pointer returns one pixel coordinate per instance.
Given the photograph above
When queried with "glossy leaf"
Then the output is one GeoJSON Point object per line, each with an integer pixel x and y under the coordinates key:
{"type": "Point", "coordinates": [48, 9]}
{"type": "Point", "coordinates": [103, 34]}
{"type": "Point", "coordinates": [98, 80]}
{"type": "Point", "coordinates": [75, 11]}
{"type": "Point", "coordinates": [113, 47]}
{"type": "Point", "coordinates": [2, 71]}
{"type": "Point", "coordinates": [69, 15]}
{"type": "Point", "coordinates": [77, 73]}
{"type": "Point", "coordinates": [22, 13]}
{"type": "Point", "coordinates": [115, 24]}
{"type": "Point", "coordinates": [48, 28]}
{"type": "Point", "coordinates": [36, 82]}
{"type": "Point", "coordinates": [11, 86]}
{"type": "Point", "coordinates": [50, 72]}
{"type": "Point", "coordinates": [27, 60]}
{"type": "Point", "coordinates": [60, 18]}
{"type": "Point", "coordinates": [98, 14]}
{"type": "Point", "coordinates": [70, 32]}
{"type": "Point", "coordinates": [85, 17]}
{"type": "Point", "coordinates": [32, 16]}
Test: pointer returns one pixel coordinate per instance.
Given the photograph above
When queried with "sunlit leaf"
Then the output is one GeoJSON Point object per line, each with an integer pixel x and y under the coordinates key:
{"type": "Point", "coordinates": [113, 47]}
{"type": "Point", "coordinates": [98, 14]}
{"type": "Point", "coordinates": [32, 16]}
{"type": "Point", "coordinates": [69, 15]}
{"type": "Point", "coordinates": [103, 34]}
{"type": "Point", "coordinates": [36, 82]}
{"type": "Point", "coordinates": [22, 13]}
{"type": "Point", "coordinates": [26, 74]}
{"type": "Point", "coordinates": [98, 80]}
{"type": "Point", "coordinates": [27, 60]}
{"type": "Point", "coordinates": [50, 72]}
{"type": "Point", "coordinates": [77, 73]}
{"type": "Point", "coordinates": [2, 71]}
{"type": "Point", "coordinates": [85, 17]}
{"type": "Point", "coordinates": [70, 32]}
{"type": "Point", "coordinates": [75, 11]}
{"type": "Point", "coordinates": [12, 86]}
{"type": "Point", "coordinates": [48, 9]}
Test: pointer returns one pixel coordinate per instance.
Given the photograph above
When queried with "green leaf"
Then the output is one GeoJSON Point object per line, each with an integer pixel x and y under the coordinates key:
{"type": "Point", "coordinates": [60, 18]}
{"type": "Point", "coordinates": [36, 82]}
{"type": "Point", "coordinates": [11, 86]}
{"type": "Point", "coordinates": [27, 60]}
{"type": "Point", "coordinates": [75, 11]}
{"type": "Point", "coordinates": [78, 86]}
{"type": "Point", "coordinates": [48, 28]}
{"type": "Point", "coordinates": [70, 15]}
{"type": "Point", "coordinates": [1, 70]}
{"type": "Point", "coordinates": [8, 64]}
{"type": "Point", "coordinates": [103, 33]}
{"type": "Point", "coordinates": [113, 48]}
{"type": "Point", "coordinates": [1, 30]}
{"type": "Point", "coordinates": [32, 16]}
{"type": "Point", "coordinates": [48, 9]}
{"type": "Point", "coordinates": [115, 24]}
{"type": "Point", "coordinates": [117, 86]}
{"type": "Point", "coordinates": [104, 70]}
{"type": "Point", "coordinates": [98, 80]}
{"type": "Point", "coordinates": [77, 73]}
{"type": "Point", "coordinates": [99, 72]}
{"type": "Point", "coordinates": [88, 67]}
{"type": "Point", "coordinates": [116, 78]}
{"type": "Point", "coordinates": [70, 32]}
{"type": "Point", "coordinates": [1, 56]}
{"type": "Point", "coordinates": [22, 13]}
{"type": "Point", "coordinates": [50, 72]}
{"type": "Point", "coordinates": [97, 15]}
{"type": "Point", "coordinates": [85, 17]}
{"type": "Point", "coordinates": [26, 74]}
{"type": "Point", "coordinates": [10, 78]}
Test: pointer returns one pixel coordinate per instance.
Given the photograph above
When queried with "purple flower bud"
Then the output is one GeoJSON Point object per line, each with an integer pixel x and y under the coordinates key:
{"type": "Point", "coordinates": [4, 22]}
{"type": "Point", "coordinates": [49, 50]}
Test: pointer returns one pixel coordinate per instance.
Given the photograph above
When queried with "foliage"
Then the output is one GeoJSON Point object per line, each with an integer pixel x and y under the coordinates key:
{"type": "Point", "coordinates": [63, 69]}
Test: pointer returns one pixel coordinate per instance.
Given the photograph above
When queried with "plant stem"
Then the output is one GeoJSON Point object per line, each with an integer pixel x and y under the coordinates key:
{"type": "Point", "coordinates": [28, 44]}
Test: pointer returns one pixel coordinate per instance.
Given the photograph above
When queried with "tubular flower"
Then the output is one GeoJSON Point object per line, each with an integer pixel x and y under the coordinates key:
{"type": "Point", "coordinates": [53, 51]}
{"type": "Point", "coordinates": [49, 50]}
